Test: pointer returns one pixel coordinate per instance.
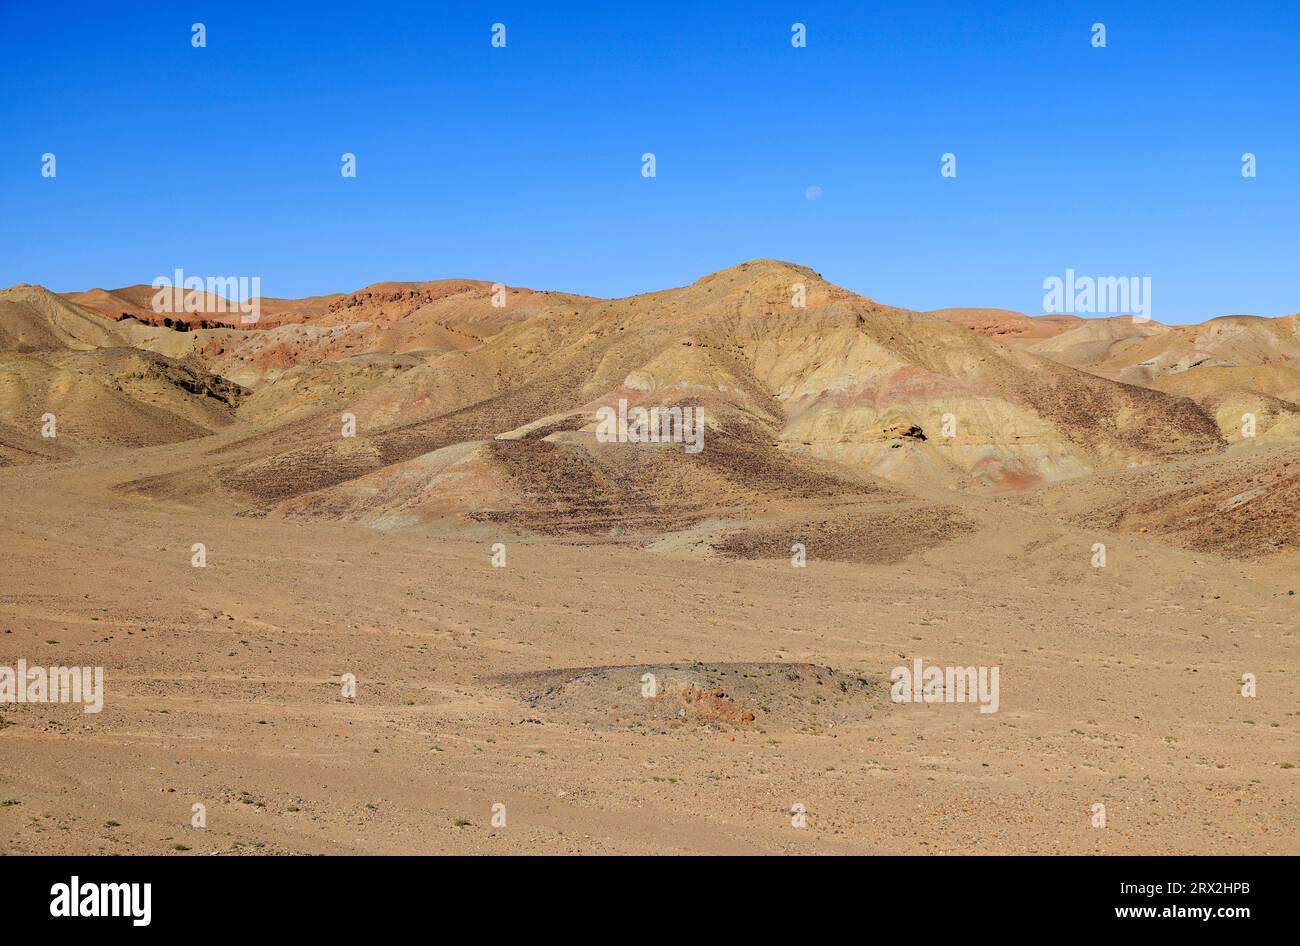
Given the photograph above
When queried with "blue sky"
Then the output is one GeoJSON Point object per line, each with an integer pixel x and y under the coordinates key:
{"type": "Point", "coordinates": [522, 164]}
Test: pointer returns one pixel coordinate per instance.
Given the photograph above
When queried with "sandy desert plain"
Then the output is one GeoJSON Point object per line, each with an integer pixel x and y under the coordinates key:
{"type": "Point", "coordinates": [949, 475]}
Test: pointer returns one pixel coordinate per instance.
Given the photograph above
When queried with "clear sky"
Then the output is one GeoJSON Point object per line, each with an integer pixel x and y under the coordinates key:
{"type": "Point", "coordinates": [523, 164]}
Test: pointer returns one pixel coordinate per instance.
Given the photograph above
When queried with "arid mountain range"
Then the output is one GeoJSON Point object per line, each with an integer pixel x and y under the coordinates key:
{"type": "Point", "coordinates": [427, 492]}
{"type": "Point", "coordinates": [471, 406]}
